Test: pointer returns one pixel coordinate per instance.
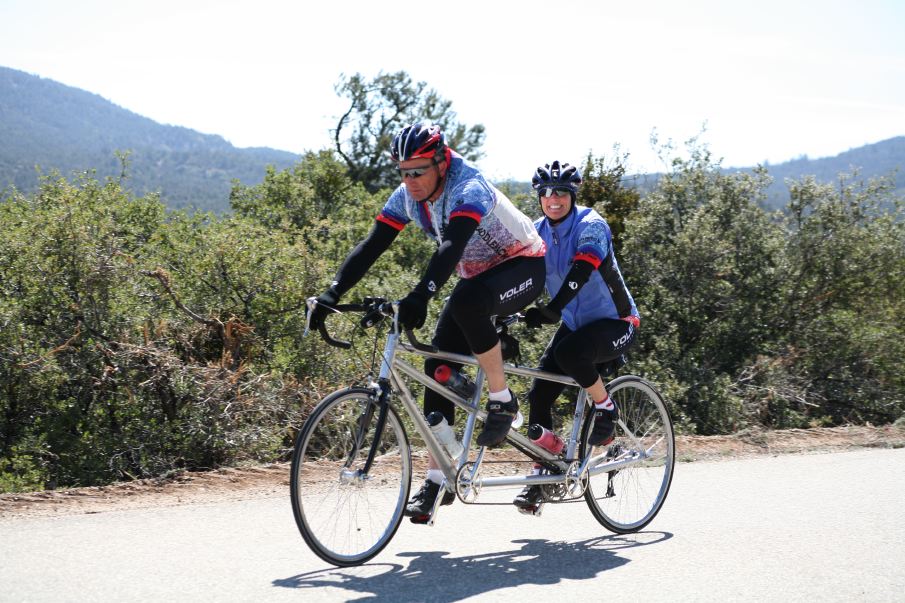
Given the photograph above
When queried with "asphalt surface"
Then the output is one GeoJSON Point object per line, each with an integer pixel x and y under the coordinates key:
{"type": "Point", "coordinates": [819, 527]}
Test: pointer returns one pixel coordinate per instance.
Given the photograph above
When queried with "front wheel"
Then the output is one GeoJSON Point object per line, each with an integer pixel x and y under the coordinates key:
{"type": "Point", "coordinates": [345, 516]}
{"type": "Point", "coordinates": [627, 499]}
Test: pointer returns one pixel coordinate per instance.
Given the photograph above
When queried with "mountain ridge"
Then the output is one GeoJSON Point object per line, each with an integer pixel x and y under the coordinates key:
{"type": "Point", "coordinates": [67, 129]}
{"type": "Point", "coordinates": [878, 159]}
{"type": "Point", "coordinates": [59, 127]}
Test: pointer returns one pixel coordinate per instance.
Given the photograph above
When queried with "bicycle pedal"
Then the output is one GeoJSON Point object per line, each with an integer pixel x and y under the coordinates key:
{"type": "Point", "coordinates": [608, 442]}
{"type": "Point", "coordinates": [534, 510]}
{"type": "Point", "coordinates": [420, 519]}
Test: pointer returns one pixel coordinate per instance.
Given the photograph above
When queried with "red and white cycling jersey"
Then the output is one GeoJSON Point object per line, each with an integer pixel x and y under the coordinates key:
{"type": "Point", "coordinates": [503, 231]}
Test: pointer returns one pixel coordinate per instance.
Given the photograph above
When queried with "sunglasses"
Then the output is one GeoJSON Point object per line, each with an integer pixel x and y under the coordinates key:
{"type": "Point", "coordinates": [550, 192]}
{"type": "Point", "coordinates": [414, 172]}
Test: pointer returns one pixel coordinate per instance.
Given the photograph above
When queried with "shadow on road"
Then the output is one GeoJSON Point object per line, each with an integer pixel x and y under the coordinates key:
{"type": "Point", "coordinates": [433, 576]}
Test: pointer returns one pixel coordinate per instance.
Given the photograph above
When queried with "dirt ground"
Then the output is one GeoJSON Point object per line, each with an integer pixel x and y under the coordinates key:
{"type": "Point", "coordinates": [273, 480]}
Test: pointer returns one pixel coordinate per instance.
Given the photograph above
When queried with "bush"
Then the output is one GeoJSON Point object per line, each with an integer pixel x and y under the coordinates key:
{"type": "Point", "coordinates": [135, 341]}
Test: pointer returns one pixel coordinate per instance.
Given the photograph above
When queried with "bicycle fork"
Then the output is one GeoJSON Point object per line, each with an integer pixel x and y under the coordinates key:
{"type": "Point", "coordinates": [381, 389]}
{"type": "Point", "coordinates": [382, 405]}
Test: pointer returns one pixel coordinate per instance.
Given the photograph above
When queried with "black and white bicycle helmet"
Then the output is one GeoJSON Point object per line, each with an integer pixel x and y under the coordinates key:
{"type": "Point", "coordinates": [557, 176]}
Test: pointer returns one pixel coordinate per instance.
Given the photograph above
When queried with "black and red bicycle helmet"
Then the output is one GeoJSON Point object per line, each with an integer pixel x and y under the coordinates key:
{"type": "Point", "coordinates": [418, 140]}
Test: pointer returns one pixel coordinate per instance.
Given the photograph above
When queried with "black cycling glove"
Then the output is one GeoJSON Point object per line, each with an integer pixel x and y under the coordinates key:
{"type": "Point", "coordinates": [413, 310]}
{"type": "Point", "coordinates": [325, 301]}
{"type": "Point", "coordinates": [552, 313]}
{"type": "Point", "coordinates": [541, 315]}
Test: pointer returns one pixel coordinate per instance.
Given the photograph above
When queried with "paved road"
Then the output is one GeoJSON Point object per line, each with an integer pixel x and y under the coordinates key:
{"type": "Point", "coordinates": [825, 527]}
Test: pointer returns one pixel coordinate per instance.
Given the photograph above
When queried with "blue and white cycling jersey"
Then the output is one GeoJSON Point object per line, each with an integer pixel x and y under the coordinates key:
{"type": "Point", "coordinates": [585, 235]}
{"type": "Point", "coordinates": [503, 231]}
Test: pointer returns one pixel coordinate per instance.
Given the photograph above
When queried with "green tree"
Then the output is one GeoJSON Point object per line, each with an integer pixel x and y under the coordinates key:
{"type": "Point", "coordinates": [65, 261]}
{"type": "Point", "coordinates": [703, 263]}
{"type": "Point", "coordinates": [603, 187]}
{"type": "Point", "coordinates": [839, 357]}
{"type": "Point", "coordinates": [136, 341]}
{"type": "Point", "coordinates": [377, 109]}
{"type": "Point", "coordinates": [316, 189]}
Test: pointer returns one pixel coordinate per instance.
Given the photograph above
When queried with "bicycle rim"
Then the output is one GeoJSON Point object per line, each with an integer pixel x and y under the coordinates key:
{"type": "Point", "coordinates": [346, 519]}
{"type": "Point", "coordinates": [626, 500]}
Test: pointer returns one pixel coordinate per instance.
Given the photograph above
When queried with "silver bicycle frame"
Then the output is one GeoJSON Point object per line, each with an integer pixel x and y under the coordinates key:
{"type": "Point", "coordinates": [396, 370]}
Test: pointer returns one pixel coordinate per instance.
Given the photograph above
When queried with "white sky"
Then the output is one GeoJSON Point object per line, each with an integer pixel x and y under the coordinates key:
{"type": "Point", "coordinates": [772, 80]}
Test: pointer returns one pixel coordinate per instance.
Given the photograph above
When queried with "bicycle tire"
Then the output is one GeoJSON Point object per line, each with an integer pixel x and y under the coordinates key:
{"type": "Point", "coordinates": [346, 520]}
{"type": "Point", "coordinates": [626, 500]}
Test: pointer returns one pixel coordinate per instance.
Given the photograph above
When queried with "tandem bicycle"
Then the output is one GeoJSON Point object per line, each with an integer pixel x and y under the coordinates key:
{"type": "Point", "coordinates": [352, 462]}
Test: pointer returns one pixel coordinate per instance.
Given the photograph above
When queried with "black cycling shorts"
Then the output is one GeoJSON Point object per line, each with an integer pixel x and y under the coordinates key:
{"type": "Point", "coordinates": [465, 325]}
{"type": "Point", "coordinates": [582, 355]}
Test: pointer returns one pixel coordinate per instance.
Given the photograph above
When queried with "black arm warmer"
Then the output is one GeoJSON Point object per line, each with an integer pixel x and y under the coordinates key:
{"type": "Point", "coordinates": [444, 260]}
{"type": "Point", "coordinates": [363, 257]}
{"type": "Point", "coordinates": [613, 279]}
{"type": "Point", "coordinates": [575, 280]}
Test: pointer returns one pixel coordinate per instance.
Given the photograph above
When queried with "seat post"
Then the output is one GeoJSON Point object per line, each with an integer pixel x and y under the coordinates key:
{"type": "Point", "coordinates": [581, 405]}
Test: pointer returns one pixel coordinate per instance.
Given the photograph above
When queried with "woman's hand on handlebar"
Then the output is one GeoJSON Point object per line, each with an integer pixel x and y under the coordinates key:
{"type": "Point", "coordinates": [541, 315]}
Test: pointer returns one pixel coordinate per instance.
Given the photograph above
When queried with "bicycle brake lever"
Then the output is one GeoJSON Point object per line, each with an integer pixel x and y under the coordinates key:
{"type": "Point", "coordinates": [423, 347]}
{"type": "Point", "coordinates": [311, 303]}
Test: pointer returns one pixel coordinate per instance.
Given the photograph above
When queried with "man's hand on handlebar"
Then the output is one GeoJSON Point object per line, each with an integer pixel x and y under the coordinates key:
{"type": "Point", "coordinates": [324, 306]}
{"type": "Point", "coordinates": [413, 310]}
{"type": "Point", "coordinates": [374, 309]}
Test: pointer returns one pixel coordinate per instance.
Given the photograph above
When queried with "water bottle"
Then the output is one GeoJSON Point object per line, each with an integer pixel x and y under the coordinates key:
{"type": "Point", "coordinates": [455, 381]}
{"type": "Point", "coordinates": [545, 438]}
{"type": "Point", "coordinates": [444, 434]}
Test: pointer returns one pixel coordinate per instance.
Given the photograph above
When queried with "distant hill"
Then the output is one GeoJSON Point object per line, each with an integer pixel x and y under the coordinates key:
{"type": "Point", "coordinates": [878, 159]}
{"type": "Point", "coordinates": [47, 124]}
{"type": "Point", "coordinates": [884, 158]}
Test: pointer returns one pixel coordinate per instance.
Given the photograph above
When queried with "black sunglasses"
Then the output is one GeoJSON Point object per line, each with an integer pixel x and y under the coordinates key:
{"type": "Point", "coordinates": [549, 191]}
{"type": "Point", "coordinates": [414, 172]}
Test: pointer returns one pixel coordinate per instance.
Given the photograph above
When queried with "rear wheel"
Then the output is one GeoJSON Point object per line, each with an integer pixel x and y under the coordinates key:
{"type": "Point", "coordinates": [627, 499]}
{"type": "Point", "coordinates": [344, 516]}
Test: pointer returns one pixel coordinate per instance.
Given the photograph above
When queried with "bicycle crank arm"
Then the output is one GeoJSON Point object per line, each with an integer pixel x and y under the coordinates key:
{"type": "Point", "coordinates": [437, 503]}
